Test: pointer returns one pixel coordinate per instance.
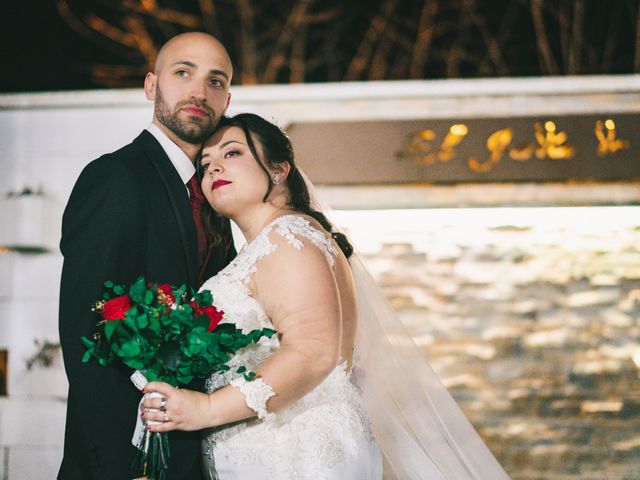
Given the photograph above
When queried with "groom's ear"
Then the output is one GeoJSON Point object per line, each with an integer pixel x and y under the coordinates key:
{"type": "Point", "coordinates": [150, 86]}
{"type": "Point", "coordinates": [228, 102]}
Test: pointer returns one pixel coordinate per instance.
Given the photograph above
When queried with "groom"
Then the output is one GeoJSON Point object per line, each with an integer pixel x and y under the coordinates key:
{"type": "Point", "coordinates": [130, 214]}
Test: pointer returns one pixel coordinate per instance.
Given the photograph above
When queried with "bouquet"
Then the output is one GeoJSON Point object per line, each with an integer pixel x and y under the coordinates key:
{"type": "Point", "coordinates": [166, 334]}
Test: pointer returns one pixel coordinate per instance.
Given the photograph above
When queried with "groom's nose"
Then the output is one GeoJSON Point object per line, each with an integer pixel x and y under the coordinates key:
{"type": "Point", "coordinates": [197, 90]}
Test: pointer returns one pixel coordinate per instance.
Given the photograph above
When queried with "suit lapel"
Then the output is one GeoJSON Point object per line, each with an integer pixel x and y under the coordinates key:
{"type": "Point", "coordinates": [178, 198]}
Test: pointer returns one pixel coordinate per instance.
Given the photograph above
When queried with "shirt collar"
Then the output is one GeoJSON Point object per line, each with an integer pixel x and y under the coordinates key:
{"type": "Point", "coordinates": [181, 162]}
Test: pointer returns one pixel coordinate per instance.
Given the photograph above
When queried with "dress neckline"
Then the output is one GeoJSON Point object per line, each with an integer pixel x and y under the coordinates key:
{"type": "Point", "coordinates": [269, 226]}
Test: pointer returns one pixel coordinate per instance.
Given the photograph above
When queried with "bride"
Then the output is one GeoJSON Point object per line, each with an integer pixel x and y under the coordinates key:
{"type": "Point", "coordinates": [340, 386]}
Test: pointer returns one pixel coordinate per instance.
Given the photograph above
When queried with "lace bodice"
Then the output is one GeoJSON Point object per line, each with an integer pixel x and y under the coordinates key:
{"type": "Point", "coordinates": [330, 418]}
{"type": "Point", "coordinates": [232, 295]}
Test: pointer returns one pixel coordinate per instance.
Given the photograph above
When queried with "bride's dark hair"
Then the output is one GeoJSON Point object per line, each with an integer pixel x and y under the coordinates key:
{"type": "Point", "coordinates": [276, 149]}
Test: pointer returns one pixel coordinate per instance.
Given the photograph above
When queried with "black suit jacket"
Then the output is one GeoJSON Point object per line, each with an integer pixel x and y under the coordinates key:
{"type": "Point", "coordinates": [128, 215]}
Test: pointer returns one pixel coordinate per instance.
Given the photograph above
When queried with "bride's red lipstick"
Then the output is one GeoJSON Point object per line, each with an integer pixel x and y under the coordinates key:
{"type": "Point", "coordinates": [219, 183]}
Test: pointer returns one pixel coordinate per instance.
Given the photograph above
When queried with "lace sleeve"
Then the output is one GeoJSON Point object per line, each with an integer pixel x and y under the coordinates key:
{"type": "Point", "coordinates": [256, 394]}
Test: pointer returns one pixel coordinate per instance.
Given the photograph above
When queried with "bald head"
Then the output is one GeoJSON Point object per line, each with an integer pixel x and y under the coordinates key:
{"type": "Point", "coordinates": [185, 43]}
{"type": "Point", "coordinates": [190, 88]}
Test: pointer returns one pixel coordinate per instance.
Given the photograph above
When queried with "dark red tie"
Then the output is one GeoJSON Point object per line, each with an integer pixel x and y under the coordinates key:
{"type": "Point", "coordinates": [197, 201]}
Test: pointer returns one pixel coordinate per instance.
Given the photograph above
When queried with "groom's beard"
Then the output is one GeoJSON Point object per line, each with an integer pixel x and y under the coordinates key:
{"type": "Point", "coordinates": [195, 130]}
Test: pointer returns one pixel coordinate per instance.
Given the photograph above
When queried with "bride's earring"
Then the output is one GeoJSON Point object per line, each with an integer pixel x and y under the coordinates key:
{"type": "Point", "coordinates": [276, 180]}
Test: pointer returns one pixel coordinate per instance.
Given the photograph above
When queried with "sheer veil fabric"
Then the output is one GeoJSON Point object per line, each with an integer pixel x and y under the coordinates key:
{"type": "Point", "coordinates": [420, 429]}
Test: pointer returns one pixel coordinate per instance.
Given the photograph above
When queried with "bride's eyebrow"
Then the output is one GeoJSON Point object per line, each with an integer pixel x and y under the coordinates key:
{"type": "Point", "coordinates": [231, 141]}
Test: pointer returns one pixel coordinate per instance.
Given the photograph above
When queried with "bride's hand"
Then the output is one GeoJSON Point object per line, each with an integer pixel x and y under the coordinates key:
{"type": "Point", "coordinates": [177, 409]}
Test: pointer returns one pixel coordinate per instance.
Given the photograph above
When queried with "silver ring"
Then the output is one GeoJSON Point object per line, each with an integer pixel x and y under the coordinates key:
{"type": "Point", "coordinates": [163, 404]}
{"type": "Point", "coordinates": [166, 417]}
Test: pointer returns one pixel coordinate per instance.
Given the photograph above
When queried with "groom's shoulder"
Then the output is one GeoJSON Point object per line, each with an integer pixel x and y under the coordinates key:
{"type": "Point", "coordinates": [137, 150]}
{"type": "Point", "coordinates": [128, 159]}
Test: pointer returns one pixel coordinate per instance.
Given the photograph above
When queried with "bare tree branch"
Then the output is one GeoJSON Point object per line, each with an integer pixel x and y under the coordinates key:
{"type": "Point", "coordinates": [278, 58]}
{"type": "Point", "coordinates": [143, 40]}
{"type": "Point", "coordinates": [81, 27]}
{"type": "Point", "coordinates": [378, 66]}
{"type": "Point", "coordinates": [165, 14]}
{"type": "Point", "coordinates": [361, 58]}
{"type": "Point", "coordinates": [209, 17]}
{"type": "Point", "coordinates": [247, 43]}
{"type": "Point", "coordinates": [426, 28]}
{"type": "Point", "coordinates": [506, 30]}
{"type": "Point", "coordinates": [576, 38]}
{"type": "Point", "coordinates": [565, 31]}
{"type": "Point", "coordinates": [636, 60]}
{"type": "Point", "coordinates": [548, 62]}
{"type": "Point", "coordinates": [116, 76]}
{"type": "Point", "coordinates": [493, 45]}
{"type": "Point", "coordinates": [457, 50]}
{"type": "Point", "coordinates": [298, 50]}
{"type": "Point", "coordinates": [111, 32]}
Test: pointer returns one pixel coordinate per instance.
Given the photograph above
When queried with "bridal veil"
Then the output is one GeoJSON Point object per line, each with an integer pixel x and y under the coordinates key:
{"type": "Point", "coordinates": [420, 429]}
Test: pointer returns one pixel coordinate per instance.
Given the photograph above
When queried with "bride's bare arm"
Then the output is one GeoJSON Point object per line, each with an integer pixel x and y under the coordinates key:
{"type": "Point", "coordinates": [298, 290]}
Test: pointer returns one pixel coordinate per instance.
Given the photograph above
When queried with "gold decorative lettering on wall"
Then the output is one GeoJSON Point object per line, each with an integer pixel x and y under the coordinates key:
{"type": "Point", "coordinates": [608, 144]}
{"type": "Point", "coordinates": [420, 150]}
{"type": "Point", "coordinates": [548, 143]}
{"type": "Point", "coordinates": [541, 148]}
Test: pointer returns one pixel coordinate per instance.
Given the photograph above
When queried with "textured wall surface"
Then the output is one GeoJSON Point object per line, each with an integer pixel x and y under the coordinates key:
{"type": "Point", "coordinates": [532, 319]}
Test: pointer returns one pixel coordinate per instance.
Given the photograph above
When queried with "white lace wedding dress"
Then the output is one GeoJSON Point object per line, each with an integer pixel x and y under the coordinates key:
{"type": "Point", "coordinates": [324, 435]}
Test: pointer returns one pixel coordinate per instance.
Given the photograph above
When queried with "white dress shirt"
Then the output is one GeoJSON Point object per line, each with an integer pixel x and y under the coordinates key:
{"type": "Point", "coordinates": [181, 162]}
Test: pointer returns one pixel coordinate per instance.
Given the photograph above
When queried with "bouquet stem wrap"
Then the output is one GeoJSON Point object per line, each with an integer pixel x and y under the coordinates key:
{"type": "Point", "coordinates": [153, 447]}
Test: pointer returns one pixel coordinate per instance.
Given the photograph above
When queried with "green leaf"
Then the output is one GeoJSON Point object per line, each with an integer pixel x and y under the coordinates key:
{"type": "Point", "coordinates": [87, 343]}
{"type": "Point", "coordinates": [202, 321]}
{"type": "Point", "coordinates": [184, 379]}
{"type": "Point", "coordinates": [136, 291]}
{"type": "Point", "coordinates": [205, 298]}
{"type": "Point", "coordinates": [151, 375]}
{"type": "Point", "coordinates": [134, 363]}
{"type": "Point", "coordinates": [129, 349]}
{"type": "Point", "coordinates": [154, 325]}
{"type": "Point", "coordinates": [148, 297]}
{"type": "Point", "coordinates": [108, 284]}
{"type": "Point", "coordinates": [87, 356]}
{"type": "Point", "coordinates": [118, 290]}
{"type": "Point", "coordinates": [130, 322]}
{"type": "Point", "coordinates": [142, 321]}
{"type": "Point", "coordinates": [110, 327]}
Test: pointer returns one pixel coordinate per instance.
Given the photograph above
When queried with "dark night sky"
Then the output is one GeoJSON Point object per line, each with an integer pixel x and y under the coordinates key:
{"type": "Point", "coordinates": [40, 52]}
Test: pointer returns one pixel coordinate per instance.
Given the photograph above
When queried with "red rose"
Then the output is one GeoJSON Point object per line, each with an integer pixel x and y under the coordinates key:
{"type": "Point", "coordinates": [197, 309]}
{"type": "Point", "coordinates": [214, 315]}
{"type": "Point", "coordinates": [115, 308]}
{"type": "Point", "coordinates": [165, 294]}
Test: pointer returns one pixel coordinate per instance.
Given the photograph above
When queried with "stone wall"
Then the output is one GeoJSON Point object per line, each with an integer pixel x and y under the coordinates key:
{"type": "Point", "coordinates": [532, 319]}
